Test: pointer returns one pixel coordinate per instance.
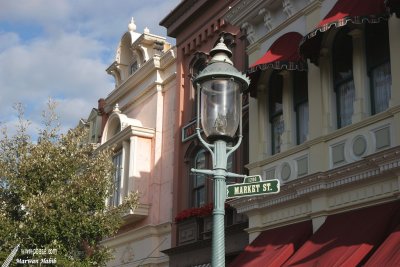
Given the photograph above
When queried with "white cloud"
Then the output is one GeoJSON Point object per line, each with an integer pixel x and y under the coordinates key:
{"type": "Point", "coordinates": [8, 39]}
{"type": "Point", "coordinates": [60, 49]}
{"type": "Point", "coordinates": [65, 68]}
{"type": "Point", "coordinates": [38, 11]}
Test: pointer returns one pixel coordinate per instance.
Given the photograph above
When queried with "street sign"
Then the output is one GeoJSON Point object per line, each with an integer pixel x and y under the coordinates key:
{"type": "Point", "coordinates": [253, 186]}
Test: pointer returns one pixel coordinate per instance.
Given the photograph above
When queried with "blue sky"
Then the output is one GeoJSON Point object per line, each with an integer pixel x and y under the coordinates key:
{"type": "Point", "coordinates": [60, 49]}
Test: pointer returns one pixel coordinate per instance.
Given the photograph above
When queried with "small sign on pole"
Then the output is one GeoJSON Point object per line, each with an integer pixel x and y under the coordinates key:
{"type": "Point", "coordinates": [253, 186]}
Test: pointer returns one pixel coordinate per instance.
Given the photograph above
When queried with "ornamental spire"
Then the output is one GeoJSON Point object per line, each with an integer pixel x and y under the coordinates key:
{"type": "Point", "coordinates": [132, 25]}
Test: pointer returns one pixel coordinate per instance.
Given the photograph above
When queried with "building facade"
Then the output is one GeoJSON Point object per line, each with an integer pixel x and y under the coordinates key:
{"type": "Point", "coordinates": [324, 117]}
{"type": "Point", "coordinates": [136, 119]}
{"type": "Point", "coordinates": [197, 27]}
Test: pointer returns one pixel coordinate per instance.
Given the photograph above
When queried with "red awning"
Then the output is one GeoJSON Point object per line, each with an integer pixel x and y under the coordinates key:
{"type": "Point", "coordinates": [283, 54]}
{"type": "Point", "coordinates": [344, 11]}
{"type": "Point", "coordinates": [346, 239]}
{"type": "Point", "coordinates": [273, 247]}
{"type": "Point", "coordinates": [388, 254]}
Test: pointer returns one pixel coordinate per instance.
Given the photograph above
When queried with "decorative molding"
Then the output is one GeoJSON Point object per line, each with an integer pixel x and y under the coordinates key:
{"type": "Point", "coordinates": [267, 18]}
{"type": "Point", "coordinates": [146, 71]}
{"type": "Point", "coordinates": [250, 32]}
{"type": "Point", "coordinates": [126, 133]}
{"type": "Point", "coordinates": [242, 11]}
{"type": "Point", "coordinates": [360, 194]}
{"type": "Point", "coordinates": [286, 213]}
{"type": "Point", "coordinates": [284, 24]}
{"type": "Point", "coordinates": [379, 164]}
{"type": "Point", "coordinates": [288, 8]}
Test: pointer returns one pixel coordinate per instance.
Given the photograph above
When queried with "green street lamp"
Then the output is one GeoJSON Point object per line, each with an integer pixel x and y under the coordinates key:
{"type": "Point", "coordinates": [219, 96]}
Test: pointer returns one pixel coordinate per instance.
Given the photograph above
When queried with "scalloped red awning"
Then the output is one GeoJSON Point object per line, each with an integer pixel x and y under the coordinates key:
{"type": "Point", "coordinates": [343, 12]}
{"type": "Point", "coordinates": [283, 54]}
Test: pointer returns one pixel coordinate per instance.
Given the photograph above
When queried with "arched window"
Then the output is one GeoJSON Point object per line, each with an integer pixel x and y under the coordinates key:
{"type": "Point", "coordinates": [378, 61]}
{"type": "Point", "coordinates": [342, 62]}
{"type": "Point", "coordinates": [276, 111]}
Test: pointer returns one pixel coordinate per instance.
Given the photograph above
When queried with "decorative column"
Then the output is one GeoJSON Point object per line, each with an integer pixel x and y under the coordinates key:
{"type": "Point", "coordinates": [124, 173]}
{"type": "Point", "coordinates": [131, 171]}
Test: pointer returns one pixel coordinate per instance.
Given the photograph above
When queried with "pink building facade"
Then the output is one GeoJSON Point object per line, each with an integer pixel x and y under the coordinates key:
{"type": "Point", "coordinates": [136, 120]}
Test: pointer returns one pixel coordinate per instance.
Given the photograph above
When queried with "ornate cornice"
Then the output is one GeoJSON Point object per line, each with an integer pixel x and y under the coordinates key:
{"type": "Point", "coordinates": [126, 133]}
{"type": "Point", "coordinates": [242, 11]}
{"type": "Point", "coordinates": [380, 164]}
{"type": "Point", "coordinates": [146, 74]}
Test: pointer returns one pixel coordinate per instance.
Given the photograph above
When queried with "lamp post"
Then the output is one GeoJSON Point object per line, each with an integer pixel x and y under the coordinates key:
{"type": "Point", "coordinates": [219, 96]}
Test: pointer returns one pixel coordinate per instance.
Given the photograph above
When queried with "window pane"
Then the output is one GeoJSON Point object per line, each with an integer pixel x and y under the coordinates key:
{"type": "Point", "coordinates": [342, 57]}
{"type": "Point", "coordinates": [117, 161]}
{"type": "Point", "coordinates": [200, 164]}
{"type": "Point", "coordinates": [343, 76]}
{"type": "Point", "coordinates": [200, 197]}
{"type": "Point", "coordinates": [275, 111]}
{"type": "Point", "coordinates": [199, 180]}
{"type": "Point", "coordinates": [381, 82]}
{"type": "Point", "coordinates": [300, 97]}
{"type": "Point", "coordinates": [229, 164]}
{"type": "Point", "coordinates": [378, 59]}
{"type": "Point", "coordinates": [302, 122]}
{"type": "Point", "coordinates": [346, 99]}
{"type": "Point", "coordinates": [133, 68]}
{"type": "Point", "coordinates": [275, 95]}
{"type": "Point", "coordinates": [277, 130]}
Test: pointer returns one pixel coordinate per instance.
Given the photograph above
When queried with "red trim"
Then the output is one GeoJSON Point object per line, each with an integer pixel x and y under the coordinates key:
{"type": "Point", "coordinates": [344, 12]}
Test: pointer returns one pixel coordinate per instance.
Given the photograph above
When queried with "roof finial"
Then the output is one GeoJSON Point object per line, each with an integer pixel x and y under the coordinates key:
{"type": "Point", "coordinates": [132, 25]}
{"type": "Point", "coordinates": [116, 108]}
{"type": "Point", "coordinates": [146, 30]}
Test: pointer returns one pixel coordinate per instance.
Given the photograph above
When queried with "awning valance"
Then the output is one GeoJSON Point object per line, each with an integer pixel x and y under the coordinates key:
{"type": "Point", "coordinates": [342, 13]}
{"type": "Point", "coordinates": [282, 54]}
{"type": "Point", "coordinates": [273, 247]}
{"type": "Point", "coordinates": [346, 239]}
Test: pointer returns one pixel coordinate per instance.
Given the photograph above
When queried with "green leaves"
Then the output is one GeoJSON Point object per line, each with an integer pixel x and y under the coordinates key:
{"type": "Point", "coordinates": [53, 194]}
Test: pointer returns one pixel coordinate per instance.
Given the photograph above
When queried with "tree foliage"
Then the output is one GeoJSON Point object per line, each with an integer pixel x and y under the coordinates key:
{"type": "Point", "coordinates": [53, 192]}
